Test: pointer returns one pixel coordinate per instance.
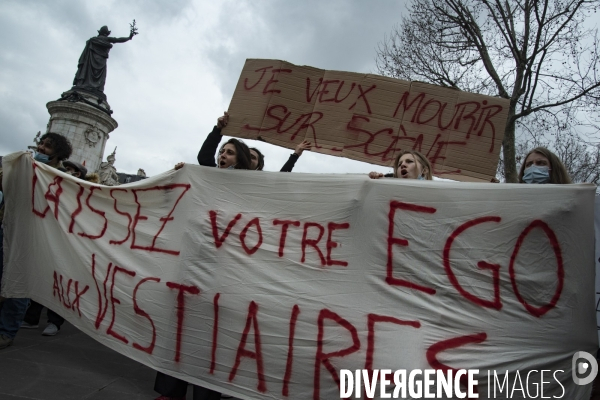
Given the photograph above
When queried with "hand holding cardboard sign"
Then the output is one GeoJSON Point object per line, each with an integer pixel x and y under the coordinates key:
{"type": "Point", "coordinates": [305, 145]}
{"type": "Point", "coordinates": [222, 121]}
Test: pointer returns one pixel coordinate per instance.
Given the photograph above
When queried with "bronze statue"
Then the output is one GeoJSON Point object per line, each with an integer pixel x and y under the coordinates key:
{"type": "Point", "coordinates": [91, 69]}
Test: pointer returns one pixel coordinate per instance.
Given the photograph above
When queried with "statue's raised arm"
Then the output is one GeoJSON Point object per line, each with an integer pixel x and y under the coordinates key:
{"type": "Point", "coordinates": [133, 31]}
{"type": "Point", "coordinates": [119, 39]}
{"type": "Point", "coordinates": [91, 68]}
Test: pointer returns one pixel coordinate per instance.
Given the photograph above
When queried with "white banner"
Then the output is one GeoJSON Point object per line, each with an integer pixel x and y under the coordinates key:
{"type": "Point", "coordinates": [597, 235]}
{"type": "Point", "coordinates": [266, 285]}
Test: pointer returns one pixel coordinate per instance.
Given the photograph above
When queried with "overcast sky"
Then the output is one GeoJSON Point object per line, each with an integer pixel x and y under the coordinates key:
{"type": "Point", "coordinates": [170, 83]}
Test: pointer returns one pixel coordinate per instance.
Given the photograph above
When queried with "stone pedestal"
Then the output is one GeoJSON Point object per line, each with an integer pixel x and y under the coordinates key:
{"type": "Point", "coordinates": [86, 126]}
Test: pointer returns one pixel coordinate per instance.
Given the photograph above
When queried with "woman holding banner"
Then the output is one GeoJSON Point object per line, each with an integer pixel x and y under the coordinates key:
{"type": "Point", "coordinates": [234, 154]}
{"type": "Point", "coordinates": [543, 166]}
{"type": "Point", "coordinates": [409, 164]}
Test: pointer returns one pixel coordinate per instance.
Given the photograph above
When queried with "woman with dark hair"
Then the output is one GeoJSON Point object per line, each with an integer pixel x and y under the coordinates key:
{"type": "Point", "coordinates": [234, 154]}
{"type": "Point", "coordinates": [409, 164]}
{"type": "Point", "coordinates": [52, 149]}
{"type": "Point", "coordinates": [257, 159]}
{"type": "Point", "coordinates": [543, 166]}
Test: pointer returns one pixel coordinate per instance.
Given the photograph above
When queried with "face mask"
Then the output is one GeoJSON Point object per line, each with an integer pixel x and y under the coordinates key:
{"type": "Point", "coordinates": [536, 174]}
{"type": "Point", "coordinates": [231, 166]}
{"type": "Point", "coordinates": [43, 158]}
{"type": "Point", "coordinates": [420, 178]}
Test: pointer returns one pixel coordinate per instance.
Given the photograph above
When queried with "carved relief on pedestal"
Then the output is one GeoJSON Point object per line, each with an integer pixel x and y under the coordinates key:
{"type": "Point", "coordinates": [92, 136]}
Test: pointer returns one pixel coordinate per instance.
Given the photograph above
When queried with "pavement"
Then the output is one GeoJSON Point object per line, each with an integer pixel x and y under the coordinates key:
{"type": "Point", "coordinates": [70, 365]}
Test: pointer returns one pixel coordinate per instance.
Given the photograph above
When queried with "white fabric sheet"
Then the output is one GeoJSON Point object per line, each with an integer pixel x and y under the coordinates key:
{"type": "Point", "coordinates": [190, 273]}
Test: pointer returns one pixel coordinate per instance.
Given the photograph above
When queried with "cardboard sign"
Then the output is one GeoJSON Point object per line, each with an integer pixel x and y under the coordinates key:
{"type": "Point", "coordinates": [369, 118]}
{"type": "Point", "coordinates": [267, 285]}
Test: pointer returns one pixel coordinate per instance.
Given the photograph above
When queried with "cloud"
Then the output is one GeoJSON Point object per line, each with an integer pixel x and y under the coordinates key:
{"type": "Point", "coordinates": [170, 83]}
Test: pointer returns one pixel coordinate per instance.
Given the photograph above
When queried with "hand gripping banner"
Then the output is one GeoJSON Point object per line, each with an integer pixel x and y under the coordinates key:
{"type": "Point", "coordinates": [267, 285]}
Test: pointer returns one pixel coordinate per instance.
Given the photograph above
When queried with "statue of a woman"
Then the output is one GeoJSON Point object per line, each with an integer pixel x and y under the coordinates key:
{"type": "Point", "coordinates": [91, 69]}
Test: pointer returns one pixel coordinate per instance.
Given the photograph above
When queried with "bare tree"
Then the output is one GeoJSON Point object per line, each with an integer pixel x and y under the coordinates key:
{"type": "Point", "coordinates": [536, 53]}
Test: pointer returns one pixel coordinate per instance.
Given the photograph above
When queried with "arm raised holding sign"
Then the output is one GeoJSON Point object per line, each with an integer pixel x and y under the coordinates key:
{"type": "Point", "coordinates": [289, 165]}
{"type": "Point", "coordinates": [209, 147]}
{"type": "Point", "coordinates": [234, 154]}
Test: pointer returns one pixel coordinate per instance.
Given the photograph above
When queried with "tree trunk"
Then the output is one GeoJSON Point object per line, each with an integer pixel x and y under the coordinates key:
{"type": "Point", "coordinates": [508, 148]}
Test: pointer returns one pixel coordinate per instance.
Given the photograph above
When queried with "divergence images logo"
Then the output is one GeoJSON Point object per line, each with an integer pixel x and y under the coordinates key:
{"type": "Point", "coordinates": [583, 364]}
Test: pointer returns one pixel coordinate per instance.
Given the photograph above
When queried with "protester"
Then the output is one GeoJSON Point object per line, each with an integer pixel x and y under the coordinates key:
{"type": "Point", "coordinates": [543, 166]}
{"type": "Point", "coordinates": [206, 154]}
{"type": "Point", "coordinates": [33, 315]}
{"type": "Point", "coordinates": [234, 154]}
{"type": "Point", "coordinates": [34, 312]}
{"type": "Point", "coordinates": [80, 171]}
{"type": "Point", "coordinates": [257, 159]}
{"type": "Point", "coordinates": [409, 164]}
{"type": "Point", "coordinates": [52, 149]}
{"type": "Point", "coordinates": [75, 169]}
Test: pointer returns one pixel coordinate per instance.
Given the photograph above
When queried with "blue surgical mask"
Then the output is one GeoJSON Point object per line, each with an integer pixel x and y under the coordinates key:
{"type": "Point", "coordinates": [232, 166]}
{"type": "Point", "coordinates": [43, 158]}
{"type": "Point", "coordinates": [536, 174]}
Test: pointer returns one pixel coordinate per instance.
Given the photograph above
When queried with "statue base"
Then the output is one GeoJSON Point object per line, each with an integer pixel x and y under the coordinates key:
{"type": "Point", "coordinates": [86, 126]}
{"type": "Point", "coordinates": [89, 96]}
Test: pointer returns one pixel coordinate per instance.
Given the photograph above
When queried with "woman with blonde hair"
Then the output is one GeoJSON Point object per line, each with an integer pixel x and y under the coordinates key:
{"type": "Point", "coordinates": [409, 164]}
{"type": "Point", "coordinates": [543, 166]}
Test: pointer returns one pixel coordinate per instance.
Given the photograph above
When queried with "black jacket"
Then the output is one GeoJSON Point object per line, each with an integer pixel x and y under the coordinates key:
{"type": "Point", "coordinates": [206, 155]}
